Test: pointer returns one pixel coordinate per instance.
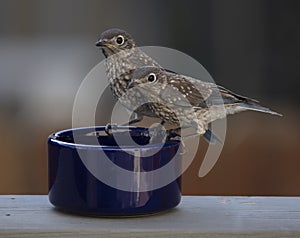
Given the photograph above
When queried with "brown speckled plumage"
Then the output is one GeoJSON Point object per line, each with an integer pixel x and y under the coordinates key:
{"type": "Point", "coordinates": [192, 102]}
{"type": "Point", "coordinates": [121, 61]}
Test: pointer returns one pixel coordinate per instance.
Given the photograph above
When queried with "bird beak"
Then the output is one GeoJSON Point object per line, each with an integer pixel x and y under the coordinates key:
{"type": "Point", "coordinates": [131, 84]}
{"type": "Point", "coordinates": [100, 43]}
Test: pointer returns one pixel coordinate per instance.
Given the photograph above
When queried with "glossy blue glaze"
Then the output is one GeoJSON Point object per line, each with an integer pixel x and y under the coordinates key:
{"type": "Point", "coordinates": [73, 188]}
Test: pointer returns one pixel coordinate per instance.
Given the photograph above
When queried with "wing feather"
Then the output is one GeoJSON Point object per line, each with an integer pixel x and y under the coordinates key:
{"type": "Point", "coordinates": [201, 94]}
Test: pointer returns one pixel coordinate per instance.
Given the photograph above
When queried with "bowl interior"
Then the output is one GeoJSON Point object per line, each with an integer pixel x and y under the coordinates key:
{"type": "Point", "coordinates": [125, 136]}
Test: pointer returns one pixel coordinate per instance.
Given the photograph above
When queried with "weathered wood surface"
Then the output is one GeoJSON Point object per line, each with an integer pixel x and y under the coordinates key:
{"type": "Point", "coordinates": [30, 216]}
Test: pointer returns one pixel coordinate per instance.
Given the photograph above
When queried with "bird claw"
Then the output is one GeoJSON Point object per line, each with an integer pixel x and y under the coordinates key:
{"type": "Point", "coordinates": [109, 128]}
{"type": "Point", "coordinates": [174, 134]}
{"type": "Point", "coordinates": [157, 134]}
{"type": "Point", "coordinates": [174, 138]}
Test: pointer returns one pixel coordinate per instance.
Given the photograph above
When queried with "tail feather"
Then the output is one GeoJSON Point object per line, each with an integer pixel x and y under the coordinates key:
{"type": "Point", "coordinates": [256, 107]}
{"type": "Point", "coordinates": [237, 103]}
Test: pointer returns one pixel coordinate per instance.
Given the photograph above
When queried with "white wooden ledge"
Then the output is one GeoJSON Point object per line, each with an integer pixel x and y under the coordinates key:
{"type": "Point", "coordinates": [34, 216]}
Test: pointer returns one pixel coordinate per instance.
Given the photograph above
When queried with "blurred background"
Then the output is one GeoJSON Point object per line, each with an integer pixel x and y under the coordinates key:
{"type": "Point", "coordinates": [250, 46]}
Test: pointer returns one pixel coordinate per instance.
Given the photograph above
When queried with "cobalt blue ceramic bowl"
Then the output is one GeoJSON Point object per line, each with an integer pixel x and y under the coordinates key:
{"type": "Point", "coordinates": [74, 186]}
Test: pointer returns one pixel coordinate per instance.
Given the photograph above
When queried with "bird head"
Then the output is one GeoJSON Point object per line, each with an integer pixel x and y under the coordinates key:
{"type": "Point", "coordinates": [147, 76]}
{"type": "Point", "coordinates": [114, 40]}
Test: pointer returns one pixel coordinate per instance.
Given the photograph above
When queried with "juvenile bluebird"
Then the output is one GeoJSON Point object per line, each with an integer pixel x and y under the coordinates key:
{"type": "Point", "coordinates": [187, 102]}
{"type": "Point", "coordinates": [122, 58]}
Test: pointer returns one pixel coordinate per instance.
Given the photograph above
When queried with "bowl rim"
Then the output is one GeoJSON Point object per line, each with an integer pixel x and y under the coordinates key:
{"type": "Point", "coordinates": [52, 139]}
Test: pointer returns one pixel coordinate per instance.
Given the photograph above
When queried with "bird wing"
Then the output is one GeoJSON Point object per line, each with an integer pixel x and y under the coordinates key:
{"type": "Point", "coordinates": [200, 94]}
{"type": "Point", "coordinates": [227, 97]}
{"type": "Point", "coordinates": [188, 91]}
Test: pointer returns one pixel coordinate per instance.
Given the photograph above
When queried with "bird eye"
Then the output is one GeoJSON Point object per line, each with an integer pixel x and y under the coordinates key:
{"type": "Point", "coordinates": [151, 77]}
{"type": "Point", "coordinates": [120, 40]}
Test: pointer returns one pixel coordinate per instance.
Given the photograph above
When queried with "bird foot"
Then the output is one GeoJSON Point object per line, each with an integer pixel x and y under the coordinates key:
{"type": "Point", "coordinates": [109, 128]}
{"type": "Point", "coordinates": [174, 138]}
{"type": "Point", "coordinates": [157, 134]}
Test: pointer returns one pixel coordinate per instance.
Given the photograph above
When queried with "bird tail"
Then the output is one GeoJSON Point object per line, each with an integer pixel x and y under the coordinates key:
{"type": "Point", "coordinates": [253, 106]}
